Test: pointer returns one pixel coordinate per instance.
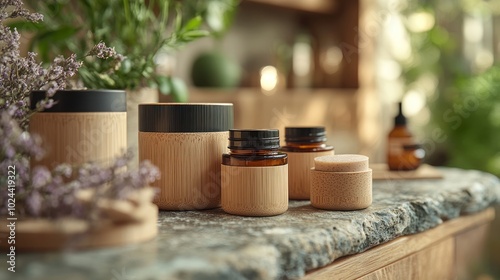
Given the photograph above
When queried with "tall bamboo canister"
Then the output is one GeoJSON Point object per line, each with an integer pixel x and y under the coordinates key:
{"type": "Point", "coordinates": [82, 126]}
{"type": "Point", "coordinates": [186, 141]}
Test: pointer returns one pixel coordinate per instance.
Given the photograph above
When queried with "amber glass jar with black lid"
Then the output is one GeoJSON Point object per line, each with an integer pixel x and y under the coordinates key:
{"type": "Point", "coordinates": [303, 144]}
{"type": "Point", "coordinates": [254, 179]}
{"type": "Point", "coordinates": [254, 147]}
{"type": "Point", "coordinates": [306, 139]}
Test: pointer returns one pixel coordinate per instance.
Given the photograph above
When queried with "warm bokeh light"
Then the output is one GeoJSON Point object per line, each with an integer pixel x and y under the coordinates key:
{"type": "Point", "coordinates": [484, 59]}
{"type": "Point", "coordinates": [389, 69]}
{"type": "Point", "coordinates": [302, 62]}
{"type": "Point", "coordinates": [413, 102]}
{"type": "Point", "coordinates": [396, 38]}
{"type": "Point", "coordinates": [421, 22]}
{"type": "Point", "coordinates": [473, 29]}
{"type": "Point", "coordinates": [269, 79]}
{"type": "Point", "coordinates": [331, 59]}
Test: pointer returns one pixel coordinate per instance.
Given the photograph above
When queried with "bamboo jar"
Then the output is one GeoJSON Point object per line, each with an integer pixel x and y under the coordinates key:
{"type": "Point", "coordinates": [255, 191]}
{"type": "Point", "coordinates": [254, 174]}
{"type": "Point", "coordinates": [82, 126]}
{"type": "Point", "coordinates": [341, 182]}
{"type": "Point", "coordinates": [303, 144]}
{"type": "Point", "coordinates": [185, 141]}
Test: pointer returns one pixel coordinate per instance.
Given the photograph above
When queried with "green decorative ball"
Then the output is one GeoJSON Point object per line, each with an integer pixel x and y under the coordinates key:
{"type": "Point", "coordinates": [213, 69]}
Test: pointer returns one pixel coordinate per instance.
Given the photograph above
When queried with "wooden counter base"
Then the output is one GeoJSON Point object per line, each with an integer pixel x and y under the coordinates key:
{"type": "Point", "coordinates": [443, 252]}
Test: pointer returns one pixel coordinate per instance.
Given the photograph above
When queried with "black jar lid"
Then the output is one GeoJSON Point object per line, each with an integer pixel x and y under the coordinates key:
{"type": "Point", "coordinates": [254, 139]}
{"type": "Point", "coordinates": [83, 101]}
{"type": "Point", "coordinates": [185, 117]}
{"type": "Point", "coordinates": [311, 134]}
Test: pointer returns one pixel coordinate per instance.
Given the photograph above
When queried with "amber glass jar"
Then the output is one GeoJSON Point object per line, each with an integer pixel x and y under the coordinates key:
{"type": "Point", "coordinates": [256, 147]}
{"type": "Point", "coordinates": [254, 179]}
{"type": "Point", "coordinates": [401, 145]}
{"type": "Point", "coordinates": [303, 144]}
{"type": "Point", "coordinates": [306, 139]}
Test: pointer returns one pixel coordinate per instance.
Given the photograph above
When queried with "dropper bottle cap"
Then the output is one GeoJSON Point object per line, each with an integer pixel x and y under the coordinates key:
{"type": "Point", "coordinates": [400, 119]}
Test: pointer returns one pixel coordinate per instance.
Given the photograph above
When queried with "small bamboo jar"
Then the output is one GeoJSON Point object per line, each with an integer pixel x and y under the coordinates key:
{"type": "Point", "coordinates": [303, 144]}
{"type": "Point", "coordinates": [185, 141]}
{"type": "Point", "coordinates": [341, 182]}
{"type": "Point", "coordinates": [254, 174]}
{"type": "Point", "coordinates": [82, 126]}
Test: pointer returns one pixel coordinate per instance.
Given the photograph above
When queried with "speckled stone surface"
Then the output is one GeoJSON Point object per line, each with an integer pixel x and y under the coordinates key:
{"type": "Point", "coordinates": [214, 245]}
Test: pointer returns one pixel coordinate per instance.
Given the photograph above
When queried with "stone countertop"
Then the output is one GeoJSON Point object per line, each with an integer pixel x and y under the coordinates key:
{"type": "Point", "coordinates": [213, 245]}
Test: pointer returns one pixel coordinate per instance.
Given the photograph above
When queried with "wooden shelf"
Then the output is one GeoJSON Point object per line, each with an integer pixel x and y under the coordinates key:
{"type": "Point", "coordinates": [255, 90]}
{"type": "Point", "coordinates": [314, 6]}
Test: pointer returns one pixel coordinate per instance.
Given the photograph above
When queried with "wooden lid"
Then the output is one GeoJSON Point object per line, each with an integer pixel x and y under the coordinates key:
{"type": "Point", "coordinates": [341, 163]}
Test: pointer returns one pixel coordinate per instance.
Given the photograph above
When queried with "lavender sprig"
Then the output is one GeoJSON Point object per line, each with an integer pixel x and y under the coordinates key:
{"type": "Point", "coordinates": [14, 8]}
{"type": "Point", "coordinates": [42, 192]}
{"type": "Point", "coordinates": [16, 148]}
{"type": "Point", "coordinates": [53, 193]}
{"type": "Point", "coordinates": [104, 52]}
{"type": "Point", "coordinates": [21, 75]}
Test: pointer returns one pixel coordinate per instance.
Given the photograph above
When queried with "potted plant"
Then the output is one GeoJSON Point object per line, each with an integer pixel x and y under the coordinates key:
{"type": "Point", "coordinates": [139, 29]}
{"type": "Point", "coordinates": [77, 206]}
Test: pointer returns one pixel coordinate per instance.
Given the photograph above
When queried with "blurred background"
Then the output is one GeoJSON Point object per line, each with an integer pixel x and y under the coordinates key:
{"type": "Point", "coordinates": [346, 64]}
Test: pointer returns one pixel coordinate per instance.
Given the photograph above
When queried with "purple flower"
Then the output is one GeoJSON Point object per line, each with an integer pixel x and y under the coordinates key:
{"type": "Point", "coordinates": [102, 51]}
{"type": "Point", "coordinates": [41, 192]}
{"type": "Point", "coordinates": [34, 203]}
{"type": "Point", "coordinates": [64, 170]}
{"type": "Point", "coordinates": [21, 75]}
{"type": "Point", "coordinates": [40, 177]}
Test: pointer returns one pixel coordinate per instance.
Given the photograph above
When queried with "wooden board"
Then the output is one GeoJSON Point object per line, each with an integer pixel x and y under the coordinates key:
{"type": "Point", "coordinates": [425, 171]}
{"type": "Point", "coordinates": [44, 235]}
{"type": "Point", "coordinates": [421, 265]}
{"type": "Point", "coordinates": [468, 251]}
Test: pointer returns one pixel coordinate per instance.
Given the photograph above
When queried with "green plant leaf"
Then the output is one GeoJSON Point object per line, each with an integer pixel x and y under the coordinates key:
{"type": "Point", "coordinates": [178, 89]}
{"type": "Point", "coordinates": [60, 34]}
{"type": "Point", "coordinates": [178, 18]}
{"type": "Point", "coordinates": [192, 24]}
{"type": "Point", "coordinates": [25, 26]}
{"type": "Point", "coordinates": [51, 37]}
{"type": "Point", "coordinates": [126, 66]}
{"type": "Point", "coordinates": [193, 35]}
{"type": "Point", "coordinates": [220, 15]}
{"type": "Point", "coordinates": [137, 29]}
{"type": "Point", "coordinates": [163, 85]}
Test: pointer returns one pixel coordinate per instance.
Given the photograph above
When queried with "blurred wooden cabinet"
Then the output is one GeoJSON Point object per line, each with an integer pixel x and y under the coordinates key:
{"type": "Point", "coordinates": [332, 29]}
{"type": "Point", "coordinates": [341, 97]}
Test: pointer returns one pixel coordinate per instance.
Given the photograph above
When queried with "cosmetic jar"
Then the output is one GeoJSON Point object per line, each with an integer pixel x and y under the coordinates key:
{"type": "Point", "coordinates": [185, 141]}
{"type": "Point", "coordinates": [341, 182]}
{"type": "Point", "coordinates": [81, 126]}
{"type": "Point", "coordinates": [254, 174]}
{"type": "Point", "coordinates": [303, 144]}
